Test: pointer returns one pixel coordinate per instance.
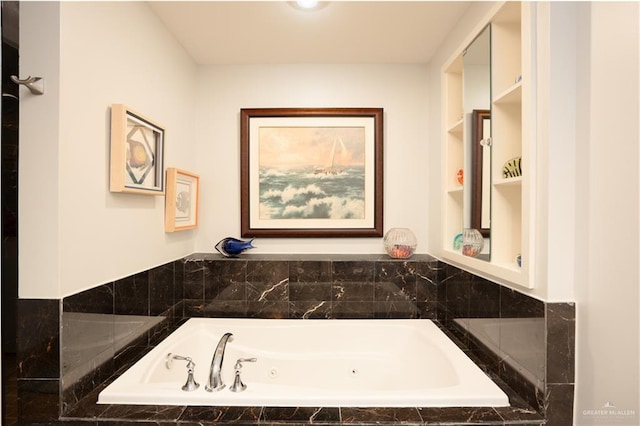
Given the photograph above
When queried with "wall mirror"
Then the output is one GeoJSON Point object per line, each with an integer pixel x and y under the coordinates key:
{"type": "Point", "coordinates": [477, 150]}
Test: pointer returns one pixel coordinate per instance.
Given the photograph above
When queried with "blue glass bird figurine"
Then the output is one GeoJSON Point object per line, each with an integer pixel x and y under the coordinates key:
{"type": "Point", "coordinates": [232, 247]}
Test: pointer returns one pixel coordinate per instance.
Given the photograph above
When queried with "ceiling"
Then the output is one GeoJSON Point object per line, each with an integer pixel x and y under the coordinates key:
{"type": "Point", "coordinates": [269, 32]}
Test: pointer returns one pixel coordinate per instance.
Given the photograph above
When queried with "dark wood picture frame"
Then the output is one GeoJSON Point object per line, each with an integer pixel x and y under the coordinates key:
{"type": "Point", "coordinates": [306, 133]}
{"type": "Point", "coordinates": [477, 162]}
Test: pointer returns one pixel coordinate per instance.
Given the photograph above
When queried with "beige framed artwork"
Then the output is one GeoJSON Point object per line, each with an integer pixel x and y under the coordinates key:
{"type": "Point", "coordinates": [137, 153]}
{"type": "Point", "coordinates": [181, 200]}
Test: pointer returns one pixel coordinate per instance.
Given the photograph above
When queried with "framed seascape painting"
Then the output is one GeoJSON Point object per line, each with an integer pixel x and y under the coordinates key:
{"type": "Point", "coordinates": [181, 201]}
{"type": "Point", "coordinates": [137, 153]}
{"type": "Point", "coordinates": [311, 172]}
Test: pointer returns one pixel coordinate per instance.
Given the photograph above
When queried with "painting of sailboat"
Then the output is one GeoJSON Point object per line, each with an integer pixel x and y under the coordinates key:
{"type": "Point", "coordinates": [312, 173]}
{"type": "Point", "coordinates": [332, 167]}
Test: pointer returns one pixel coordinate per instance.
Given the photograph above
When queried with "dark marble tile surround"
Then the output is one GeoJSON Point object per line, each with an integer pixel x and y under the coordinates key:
{"type": "Point", "coordinates": [69, 349]}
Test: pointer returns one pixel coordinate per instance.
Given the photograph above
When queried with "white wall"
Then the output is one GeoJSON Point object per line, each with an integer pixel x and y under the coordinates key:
{"type": "Point", "coordinates": [607, 211]}
{"type": "Point", "coordinates": [560, 150]}
{"type": "Point", "coordinates": [96, 54]}
{"type": "Point", "coordinates": [400, 89]}
{"type": "Point", "coordinates": [39, 242]}
{"type": "Point", "coordinates": [74, 233]}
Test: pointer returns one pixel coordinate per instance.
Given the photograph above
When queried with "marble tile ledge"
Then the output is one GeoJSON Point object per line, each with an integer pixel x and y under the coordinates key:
{"type": "Point", "coordinates": [309, 257]}
{"type": "Point", "coordinates": [518, 413]}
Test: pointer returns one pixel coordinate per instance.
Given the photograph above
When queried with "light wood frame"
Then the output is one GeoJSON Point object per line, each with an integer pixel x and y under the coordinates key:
{"type": "Point", "coordinates": [137, 153]}
{"type": "Point", "coordinates": [181, 200]}
{"type": "Point", "coordinates": [261, 128]}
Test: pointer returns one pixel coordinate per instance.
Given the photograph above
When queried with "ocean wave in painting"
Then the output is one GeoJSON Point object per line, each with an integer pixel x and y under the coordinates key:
{"type": "Point", "coordinates": [308, 193]}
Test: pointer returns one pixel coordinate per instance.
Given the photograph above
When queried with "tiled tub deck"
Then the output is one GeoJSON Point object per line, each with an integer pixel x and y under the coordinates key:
{"type": "Point", "coordinates": [54, 386]}
{"type": "Point", "coordinates": [519, 413]}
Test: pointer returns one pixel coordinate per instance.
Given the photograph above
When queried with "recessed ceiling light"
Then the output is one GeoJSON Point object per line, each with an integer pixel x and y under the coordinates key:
{"type": "Point", "coordinates": [308, 4]}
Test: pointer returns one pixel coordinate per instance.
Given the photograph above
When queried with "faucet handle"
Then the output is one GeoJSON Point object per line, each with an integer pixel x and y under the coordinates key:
{"type": "Point", "coordinates": [239, 362]}
{"type": "Point", "coordinates": [168, 362]}
{"type": "Point", "coordinates": [238, 386]}
{"type": "Point", "coordinates": [191, 384]}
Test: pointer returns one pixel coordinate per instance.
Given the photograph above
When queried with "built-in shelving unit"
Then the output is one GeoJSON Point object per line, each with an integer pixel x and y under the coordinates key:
{"type": "Point", "coordinates": [454, 161]}
{"type": "Point", "coordinates": [506, 113]}
{"type": "Point", "coordinates": [510, 88]}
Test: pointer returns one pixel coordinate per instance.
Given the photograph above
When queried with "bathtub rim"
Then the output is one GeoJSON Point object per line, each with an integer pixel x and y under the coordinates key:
{"type": "Point", "coordinates": [408, 401]}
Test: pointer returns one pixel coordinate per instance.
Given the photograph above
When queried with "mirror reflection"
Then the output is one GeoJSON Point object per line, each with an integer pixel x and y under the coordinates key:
{"type": "Point", "coordinates": [481, 166]}
{"type": "Point", "coordinates": [477, 136]}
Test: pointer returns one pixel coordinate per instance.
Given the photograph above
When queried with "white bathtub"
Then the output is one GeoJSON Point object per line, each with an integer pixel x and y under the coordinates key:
{"type": "Point", "coordinates": [312, 363]}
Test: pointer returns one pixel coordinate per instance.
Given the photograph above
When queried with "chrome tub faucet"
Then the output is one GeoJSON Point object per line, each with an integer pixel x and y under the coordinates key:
{"type": "Point", "coordinates": [215, 379]}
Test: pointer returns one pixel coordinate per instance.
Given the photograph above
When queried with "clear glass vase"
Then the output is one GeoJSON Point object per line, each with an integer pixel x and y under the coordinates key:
{"type": "Point", "coordinates": [472, 242]}
{"type": "Point", "coordinates": [400, 243]}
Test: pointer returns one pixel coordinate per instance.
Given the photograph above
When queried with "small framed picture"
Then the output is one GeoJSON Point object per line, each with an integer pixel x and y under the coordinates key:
{"type": "Point", "coordinates": [181, 200]}
{"type": "Point", "coordinates": [137, 153]}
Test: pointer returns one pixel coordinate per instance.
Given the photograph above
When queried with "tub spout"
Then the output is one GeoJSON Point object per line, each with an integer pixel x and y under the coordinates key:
{"type": "Point", "coordinates": [215, 379]}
